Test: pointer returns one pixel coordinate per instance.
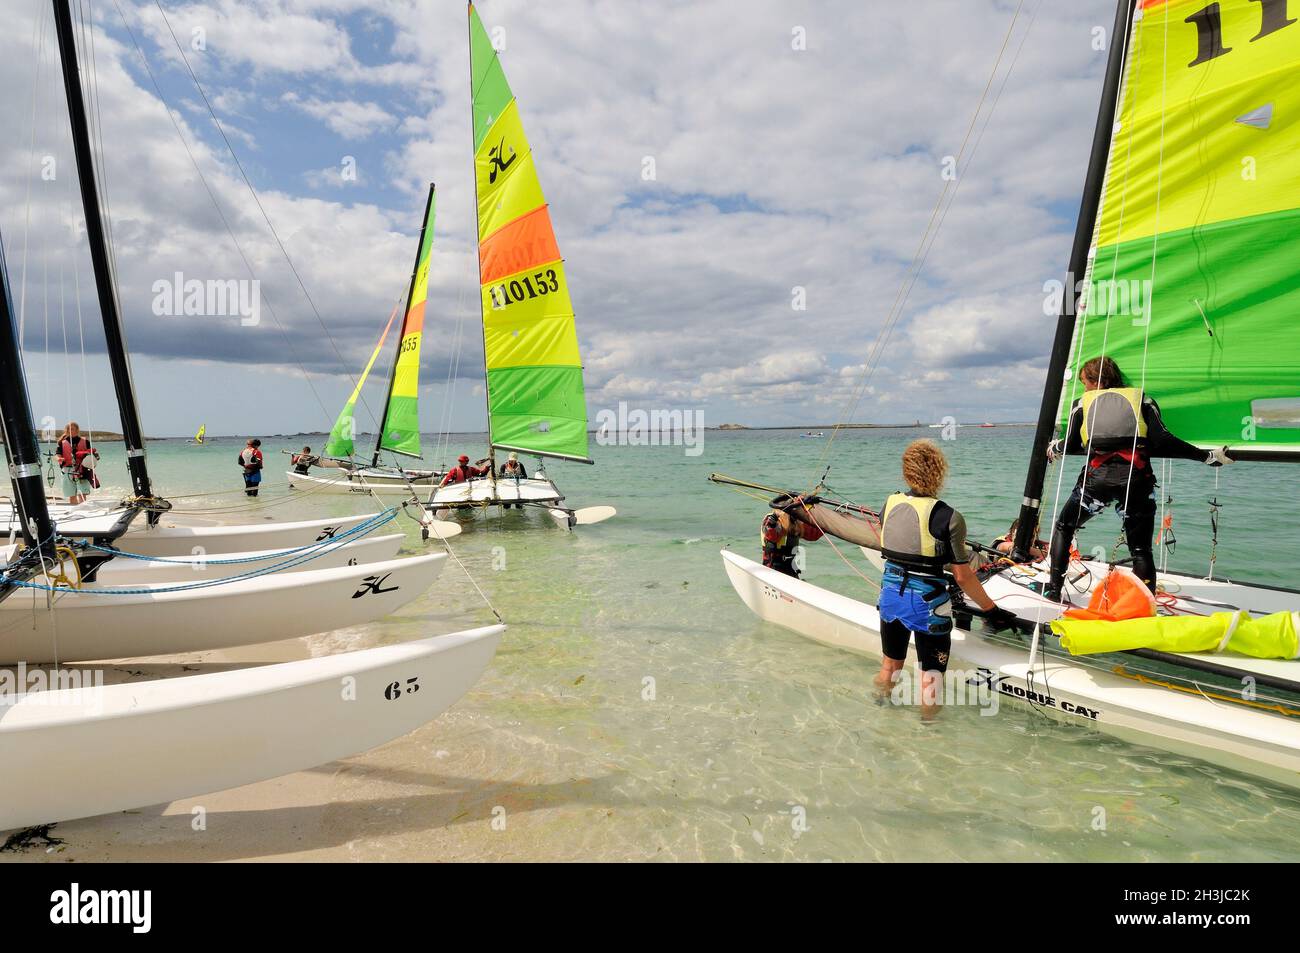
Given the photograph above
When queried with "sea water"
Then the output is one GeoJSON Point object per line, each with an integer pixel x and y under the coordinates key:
{"type": "Point", "coordinates": [637, 709]}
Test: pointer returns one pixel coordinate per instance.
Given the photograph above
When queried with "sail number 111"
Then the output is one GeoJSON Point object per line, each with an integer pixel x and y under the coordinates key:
{"type": "Point", "coordinates": [1209, 28]}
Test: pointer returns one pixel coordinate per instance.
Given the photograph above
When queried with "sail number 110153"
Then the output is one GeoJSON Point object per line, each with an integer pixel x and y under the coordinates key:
{"type": "Point", "coordinates": [522, 289]}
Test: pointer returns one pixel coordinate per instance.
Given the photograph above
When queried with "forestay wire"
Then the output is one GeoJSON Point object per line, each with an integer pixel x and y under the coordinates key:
{"type": "Point", "coordinates": [933, 225]}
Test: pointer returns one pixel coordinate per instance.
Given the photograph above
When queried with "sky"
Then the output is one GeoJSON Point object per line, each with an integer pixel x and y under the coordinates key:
{"type": "Point", "coordinates": [739, 190]}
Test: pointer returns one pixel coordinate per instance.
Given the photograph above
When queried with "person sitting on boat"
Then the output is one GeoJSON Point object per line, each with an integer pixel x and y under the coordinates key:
{"type": "Point", "coordinates": [1005, 544]}
{"type": "Point", "coordinates": [1120, 430]}
{"type": "Point", "coordinates": [77, 459]}
{"type": "Point", "coordinates": [250, 458]}
{"type": "Point", "coordinates": [302, 462]}
{"type": "Point", "coordinates": [461, 472]}
{"type": "Point", "coordinates": [514, 471]}
{"type": "Point", "coordinates": [922, 538]}
{"type": "Point", "coordinates": [781, 535]}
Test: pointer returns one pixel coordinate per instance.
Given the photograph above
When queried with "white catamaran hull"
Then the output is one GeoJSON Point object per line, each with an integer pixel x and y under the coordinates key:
{"type": "Point", "coordinates": [1182, 594]}
{"type": "Point", "coordinates": [85, 624]}
{"type": "Point", "coordinates": [486, 492]}
{"type": "Point", "coordinates": [122, 571]}
{"type": "Point", "coordinates": [173, 538]}
{"type": "Point", "coordinates": [388, 483]}
{"type": "Point", "coordinates": [90, 751]}
{"type": "Point", "coordinates": [1234, 736]}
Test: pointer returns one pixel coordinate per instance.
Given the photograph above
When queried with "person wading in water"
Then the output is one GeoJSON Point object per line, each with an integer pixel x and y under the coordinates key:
{"type": "Point", "coordinates": [922, 538]}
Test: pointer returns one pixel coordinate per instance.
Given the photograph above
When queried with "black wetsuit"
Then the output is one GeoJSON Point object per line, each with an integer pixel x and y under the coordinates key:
{"type": "Point", "coordinates": [1123, 479]}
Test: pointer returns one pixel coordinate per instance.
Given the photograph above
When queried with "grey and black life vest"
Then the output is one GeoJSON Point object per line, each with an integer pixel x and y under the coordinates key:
{"type": "Point", "coordinates": [906, 537]}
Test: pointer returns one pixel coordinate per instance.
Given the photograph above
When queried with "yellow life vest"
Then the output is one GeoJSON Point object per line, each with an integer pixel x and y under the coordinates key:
{"type": "Point", "coordinates": [905, 536]}
{"type": "Point", "coordinates": [1112, 417]}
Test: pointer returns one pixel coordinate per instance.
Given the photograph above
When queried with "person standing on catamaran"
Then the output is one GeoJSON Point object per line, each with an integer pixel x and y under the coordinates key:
{"type": "Point", "coordinates": [250, 458]}
{"type": "Point", "coordinates": [1119, 429]}
{"type": "Point", "coordinates": [922, 539]}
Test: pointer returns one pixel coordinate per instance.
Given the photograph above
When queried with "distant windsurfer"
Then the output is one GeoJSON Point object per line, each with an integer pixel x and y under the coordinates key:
{"type": "Point", "coordinates": [1120, 430]}
{"type": "Point", "coordinates": [922, 538]}
{"type": "Point", "coordinates": [781, 535]}
{"type": "Point", "coordinates": [77, 459]}
{"type": "Point", "coordinates": [250, 459]}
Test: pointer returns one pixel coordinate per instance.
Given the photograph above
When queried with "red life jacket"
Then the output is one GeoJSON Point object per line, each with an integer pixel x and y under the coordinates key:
{"type": "Point", "coordinates": [68, 456]}
{"type": "Point", "coordinates": [459, 474]}
{"type": "Point", "coordinates": [1137, 458]}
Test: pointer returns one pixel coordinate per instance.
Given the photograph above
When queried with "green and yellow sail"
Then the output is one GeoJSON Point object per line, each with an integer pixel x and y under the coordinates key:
{"type": "Point", "coordinates": [340, 443]}
{"type": "Point", "coordinates": [399, 431]}
{"type": "Point", "coordinates": [1194, 284]}
{"type": "Point", "coordinates": [536, 402]}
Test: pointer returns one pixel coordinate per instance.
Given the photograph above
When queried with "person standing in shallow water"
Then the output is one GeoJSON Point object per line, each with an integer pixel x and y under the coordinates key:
{"type": "Point", "coordinates": [250, 458]}
{"type": "Point", "coordinates": [77, 459]}
{"type": "Point", "coordinates": [923, 538]}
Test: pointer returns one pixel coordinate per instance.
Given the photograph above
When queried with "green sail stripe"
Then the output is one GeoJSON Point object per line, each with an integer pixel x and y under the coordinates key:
{"type": "Point", "coordinates": [402, 429]}
{"type": "Point", "coordinates": [341, 434]}
{"type": "Point", "coordinates": [540, 409]}
{"type": "Point", "coordinates": [1244, 275]}
{"type": "Point", "coordinates": [491, 93]}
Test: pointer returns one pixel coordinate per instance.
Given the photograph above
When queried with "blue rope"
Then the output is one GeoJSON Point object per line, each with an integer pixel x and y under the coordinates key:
{"type": "Point", "coordinates": [361, 529]}
{"type": "Point", "coordinates": [202, 584]}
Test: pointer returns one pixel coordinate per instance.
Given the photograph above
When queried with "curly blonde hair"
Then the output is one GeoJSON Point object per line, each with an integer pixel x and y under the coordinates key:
{"type": "Point", "coordinates": [924, 467]}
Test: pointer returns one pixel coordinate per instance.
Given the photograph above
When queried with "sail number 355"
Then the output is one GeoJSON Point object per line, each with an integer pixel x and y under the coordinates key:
{"type": "Point", "coordinates": [1209, 27]}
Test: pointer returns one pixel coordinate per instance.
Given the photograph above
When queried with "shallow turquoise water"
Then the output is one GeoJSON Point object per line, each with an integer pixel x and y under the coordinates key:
{"type": "Point", "coordinates": [758, 743]}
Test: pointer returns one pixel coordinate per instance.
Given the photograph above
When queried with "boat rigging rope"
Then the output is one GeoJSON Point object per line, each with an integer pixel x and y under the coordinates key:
{"type": "Point", "coordinates": [1081, 324]}
{"type": "Point", "coordinates": [284, 251]}
{"type": "Point", "coordinates": [363, 528]}
{"type": "Point", "coordinates": [928, 236]}
{"type": "Point", "coordinates": [297, 560]}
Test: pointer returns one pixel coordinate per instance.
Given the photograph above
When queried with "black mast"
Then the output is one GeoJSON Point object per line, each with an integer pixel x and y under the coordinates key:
{"type": "Point", "coordinates": [20, 436]}
{"type": "Point", "coordinates": [1092, 185]}
{"type": "Point", "coordinates": [383, 421]}
{"type": "Point", "coordinates": [114, 335]}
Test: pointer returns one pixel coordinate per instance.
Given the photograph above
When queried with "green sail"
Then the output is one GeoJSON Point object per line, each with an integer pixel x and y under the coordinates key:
{"type": "Point", "coordinates": [400, 430]}
{"type": "Point", "coordinates": [345, 427]}
{"type": "Point", "coordinates": [536, 401]}
{"type": "Point", "coordinates": [1194, 284]}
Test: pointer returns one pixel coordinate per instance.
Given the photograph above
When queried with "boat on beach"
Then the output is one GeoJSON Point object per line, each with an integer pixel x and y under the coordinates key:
{"type": "Point", "coordinates": [85, 749]}
{"type": "Point", "coordinates": [1215, 341]}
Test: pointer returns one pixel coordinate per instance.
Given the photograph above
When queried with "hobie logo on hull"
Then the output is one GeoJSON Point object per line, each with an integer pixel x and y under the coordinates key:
{"type": "Point", "coordinates": [374, 585]}
{"type": "Point", "coordinates": [75, 906]}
